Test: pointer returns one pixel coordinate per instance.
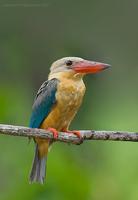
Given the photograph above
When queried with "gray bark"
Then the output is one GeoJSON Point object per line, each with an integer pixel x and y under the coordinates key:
{"type": "Point", "coordinates": [69, 137]}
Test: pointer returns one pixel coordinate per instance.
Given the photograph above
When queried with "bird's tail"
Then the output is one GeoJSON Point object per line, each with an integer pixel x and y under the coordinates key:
{"type": "Point", "coordinates": [38, 170]}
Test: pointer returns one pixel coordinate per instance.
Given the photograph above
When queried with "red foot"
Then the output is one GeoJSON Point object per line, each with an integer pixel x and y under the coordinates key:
{"type": "Point", "coordinates": [54, 131]}
{"type": "Point", "coordinates": [77, 133]}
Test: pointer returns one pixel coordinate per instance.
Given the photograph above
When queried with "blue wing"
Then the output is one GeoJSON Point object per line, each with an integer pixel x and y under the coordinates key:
{"type": "Point", "coordinates": [44, 101]}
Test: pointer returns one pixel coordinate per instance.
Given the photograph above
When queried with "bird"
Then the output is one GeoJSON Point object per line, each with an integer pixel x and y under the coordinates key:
{"type": "Point", "coordinates": [56, 104]}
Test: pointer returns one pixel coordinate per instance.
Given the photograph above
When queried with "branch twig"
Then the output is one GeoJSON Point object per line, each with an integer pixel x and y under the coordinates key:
{"type": "Point", "coordinates": [69, 137]}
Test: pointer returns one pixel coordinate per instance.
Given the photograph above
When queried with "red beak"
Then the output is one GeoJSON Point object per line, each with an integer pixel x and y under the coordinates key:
{"type": "Point", "coordinates": [87, 67]}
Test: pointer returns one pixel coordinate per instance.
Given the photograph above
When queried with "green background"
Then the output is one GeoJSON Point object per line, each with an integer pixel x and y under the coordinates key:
{"type": "Point", "coordinates": [33, 34]}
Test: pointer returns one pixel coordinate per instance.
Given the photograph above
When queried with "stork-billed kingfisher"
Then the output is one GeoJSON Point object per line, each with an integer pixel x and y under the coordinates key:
{"type": "Point", "coordinates": [56, 103]}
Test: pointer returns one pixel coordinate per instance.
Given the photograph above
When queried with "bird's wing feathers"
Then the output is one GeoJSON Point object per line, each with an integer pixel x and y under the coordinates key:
{"type": "Point", "coordinates": [44, 101]}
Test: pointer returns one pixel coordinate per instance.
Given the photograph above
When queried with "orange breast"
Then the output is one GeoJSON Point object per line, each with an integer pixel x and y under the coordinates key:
{"type": "Point", "coordinates": [69, 98]}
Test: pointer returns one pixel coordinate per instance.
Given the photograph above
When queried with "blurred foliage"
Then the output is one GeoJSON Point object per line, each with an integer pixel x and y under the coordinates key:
{"type": "Point", "coordinates": [34, 34]}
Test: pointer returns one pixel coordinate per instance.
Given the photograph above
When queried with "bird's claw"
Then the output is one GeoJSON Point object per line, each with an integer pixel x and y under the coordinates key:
{"type": "Point", "coordinates": [54, 131]}
{"type": "Point", "coordinates": [77, 133]}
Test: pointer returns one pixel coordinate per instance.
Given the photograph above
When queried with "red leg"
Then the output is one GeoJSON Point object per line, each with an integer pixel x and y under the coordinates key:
{"type": "Point", "coordinates": [54, 131]}
{"type": "Point", "coordinates": [75, 132]}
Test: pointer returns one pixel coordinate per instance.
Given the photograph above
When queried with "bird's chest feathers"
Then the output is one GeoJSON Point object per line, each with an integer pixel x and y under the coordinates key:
{"type": "Point", "coordinates": [69, 97]}
{"type": "Point", "coordinates": [70, 94]}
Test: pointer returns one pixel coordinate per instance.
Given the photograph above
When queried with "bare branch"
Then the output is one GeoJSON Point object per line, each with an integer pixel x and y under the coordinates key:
{"type": "Point", "coordinates": [69, 137]}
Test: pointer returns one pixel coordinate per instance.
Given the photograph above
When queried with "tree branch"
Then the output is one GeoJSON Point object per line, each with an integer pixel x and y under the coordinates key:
{"type": "Point", "coordinates": [69, 137]}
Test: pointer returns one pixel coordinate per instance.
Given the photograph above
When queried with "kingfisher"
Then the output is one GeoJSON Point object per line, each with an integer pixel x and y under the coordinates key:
{"type": "Point", "coordinates": [56, 103]}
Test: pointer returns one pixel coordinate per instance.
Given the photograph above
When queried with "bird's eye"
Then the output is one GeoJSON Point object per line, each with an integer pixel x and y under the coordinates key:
{"type": "Point", "coordinates": [69, 63]}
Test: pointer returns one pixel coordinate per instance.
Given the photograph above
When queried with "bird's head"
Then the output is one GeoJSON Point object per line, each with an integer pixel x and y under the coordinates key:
{"type": "Point", "coordinates": [74, 66]}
